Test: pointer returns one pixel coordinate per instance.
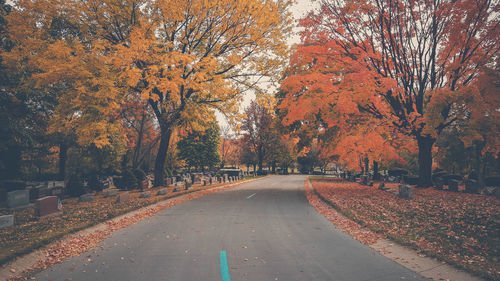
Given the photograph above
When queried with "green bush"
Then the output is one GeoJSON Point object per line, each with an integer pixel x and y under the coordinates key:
{"type": "Point", "coordinates": [140, 175]}
{"type": "Point", "coordinates": [94, 182]}
{"type": "Point", "coordinates": [75, 186]}
{"type": "Point", "coordinates": [128, 180]}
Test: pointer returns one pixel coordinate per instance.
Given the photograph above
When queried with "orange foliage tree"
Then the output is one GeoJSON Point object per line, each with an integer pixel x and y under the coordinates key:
{"type": "Point", "coordinates": [387, 60]}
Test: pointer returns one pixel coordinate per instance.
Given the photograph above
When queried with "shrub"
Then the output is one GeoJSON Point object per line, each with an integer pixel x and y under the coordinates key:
{"type": "Point", "coordinates": [75, 186]}
{"type": "Point", "coordinates": [128, 180]}
{"type": "Point", "coordinates": [140, 175]}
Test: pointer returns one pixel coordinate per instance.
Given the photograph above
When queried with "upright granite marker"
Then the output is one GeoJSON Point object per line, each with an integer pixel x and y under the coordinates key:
{"type": "Point", "coordinates": [6, 221]}
{"type": "Point", "coordinates": [48, 207]}
{"type": "Point", "coordinates": [18, 198]}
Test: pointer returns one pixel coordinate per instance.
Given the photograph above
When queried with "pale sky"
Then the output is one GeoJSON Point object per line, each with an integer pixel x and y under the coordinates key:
{"type": "Point", "coordinates": [299, 10]}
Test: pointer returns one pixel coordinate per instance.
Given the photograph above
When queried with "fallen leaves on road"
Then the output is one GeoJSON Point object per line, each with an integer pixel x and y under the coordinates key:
{"type": "Point", "coordinates": [461, 229]}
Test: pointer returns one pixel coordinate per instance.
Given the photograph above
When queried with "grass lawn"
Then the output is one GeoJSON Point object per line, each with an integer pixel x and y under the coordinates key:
{"type": "Point", "coordinates": [29, 233]}
{"type": "Point", "coordinates": [461, 229]}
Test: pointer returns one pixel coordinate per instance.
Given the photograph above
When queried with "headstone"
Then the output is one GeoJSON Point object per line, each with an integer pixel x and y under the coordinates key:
{"type": "Point", "coordinates": [89, 197]}
{"type": "Point", "coordinates": [123, 197]}
{"type": "Point", "coordinates": [169, 181]}
{"type": "Point", "coordinates": [471, 186]}
{"type": "Point", "coordinates": [145, 184]}
{"type": "Point", "coordinates": [145, 194]}
{"type": "Point", "coordinates": [453, 185]}
{"type": "Point", "coordinates": [211, 180]}
{"type": "Point", "coordinates": [110, 192]}
{"type": "Point", "coordinates": [6, 221]}
{"type": "Point", "coordinates": [18, 198]}
{"type": "Point", "coordinates": [34, 194]}
{"type": "Point", "coordinates": [381, 186]}
{"type": "Point", "coordinates": [48, 207]}
{"type": "Point", "coordinates": [162, 191]}
{"type": "Point", "coordinates": [57, 191]}
{"type": "Point", "coordinates": [438, 183]}
{"type": "Point", "coordinates": [187, 184]}
{"type": "Point", "coordinates": [226, 178]}
{"type": "Point", "coordinates": [204, 181]}
{"type": "Point", "coordinates": [364, 180]}
{"type": "Point", "coordinates": [405, 191]}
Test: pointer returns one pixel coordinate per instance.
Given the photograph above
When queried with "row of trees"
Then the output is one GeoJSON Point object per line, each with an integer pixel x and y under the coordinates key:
{"type": "Point", "coordinates": [97, 85]}
{"type": "Point", "coordinates": [373, 79]}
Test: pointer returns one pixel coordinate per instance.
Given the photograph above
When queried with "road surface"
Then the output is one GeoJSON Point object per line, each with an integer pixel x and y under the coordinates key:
{"type": "Point", "coordinates": [262, 230]}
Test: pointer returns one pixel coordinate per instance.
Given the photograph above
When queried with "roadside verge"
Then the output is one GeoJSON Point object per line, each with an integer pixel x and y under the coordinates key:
{"type": "Point", "coordinates": [426, 266]}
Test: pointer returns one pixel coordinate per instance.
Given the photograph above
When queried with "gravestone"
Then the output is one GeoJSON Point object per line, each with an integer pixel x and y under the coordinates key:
{"type": "Point", "coordinates": [381, 186]}
{"type": "Point", "coordinates": [453, 185]}
{"type": "Point", "coordinates": [162, 191]}
{"type": "Point", "coordinates": [48, 207]}
{"type": "Point", "coordinates": [18, 198]}
{"type": "Point", "coordinates": [123, 197]}
{"type": "Point", "coordinates": [438, 183]}
{"type": "Point", "coordinates": [145, 194]}
{"type": "Point", "coordinates": [6, 221]}
{"type": "Point", "coordinates": [57, 191]}
{"type": "Point", "coordinates": [226, 178]}
{"type": "Point", "coordinates": [364, 180]}
{"type": "Point", "coordinates": [211, 180]}
{"type": "Point", "coordinates": [110, 192]}
{"type": "Point", "coordinates": [145, 184]}
{"type": "Point", "coordinates": [89, 197]}
{"type": "Point", "coordinates": [34, 194]}
{"type": "Point", "coordinates": [187, 184]}
{"type": "Point", "coordinates": [169, 181]}
{"type": "Point", "coordinates": [405, 191]}
{"type": "Point", "coordinates": [204, 181]}
{"type": "Point", "coordinates": [471, 186]}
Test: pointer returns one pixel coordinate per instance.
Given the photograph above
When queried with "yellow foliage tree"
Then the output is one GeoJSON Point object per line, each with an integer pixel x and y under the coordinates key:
{"type": "Point", "coordinates": [185, 58]}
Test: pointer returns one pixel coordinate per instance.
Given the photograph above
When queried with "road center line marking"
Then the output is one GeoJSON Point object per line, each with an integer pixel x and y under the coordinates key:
{"type": "Point", "coordinates": [251, 195]}
{"type": "Point", "coordinates": [223, 266]}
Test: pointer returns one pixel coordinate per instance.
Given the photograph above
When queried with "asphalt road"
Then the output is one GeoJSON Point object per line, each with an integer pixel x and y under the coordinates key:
{"type": "Point", "coordinates": [266, 228]}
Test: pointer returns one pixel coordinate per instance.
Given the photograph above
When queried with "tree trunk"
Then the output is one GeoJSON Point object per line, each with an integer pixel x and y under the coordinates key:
{"type": "Point", "coordinates": [63, 151]}
{"type": "Point", "coordinates": [367, 165]}
{"type": "Point", "coordinates": [137, 150]}
{"type": "Point", "coordinates": [376, 175]}
{"type": "Point", "coordinates": [425, 144]}
{"type": "Point", "coordinates": [159, 170]}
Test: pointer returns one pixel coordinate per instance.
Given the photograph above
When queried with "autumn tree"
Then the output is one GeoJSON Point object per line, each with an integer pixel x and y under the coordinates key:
{"type": "Point", "coordinates": [191, 57]}
{"type": "Point", "coordinates": [257, 133]}
{"type": "Point", "coordinates": [387, 59]}
{"type": "Point", "coordinates": [230, 147]}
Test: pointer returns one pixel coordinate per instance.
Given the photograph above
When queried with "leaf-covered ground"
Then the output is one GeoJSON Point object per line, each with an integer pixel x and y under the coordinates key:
{"type": "Point", "coordinates": [461, 229]}
{"type": "Point", "coordinates": [29, 233]}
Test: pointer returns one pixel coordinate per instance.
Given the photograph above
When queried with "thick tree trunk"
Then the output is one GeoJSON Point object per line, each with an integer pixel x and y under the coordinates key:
{"type": "Point", "coordinates": [425, 144]}
{"type": "Point", "coordinates": [63, 151]}
{"type": "Point", "coordinates": [376, 175]}
{"type": "Point", "coordinates": [161, 157]}
{"type": "Point", "coordinates": [137, 150]}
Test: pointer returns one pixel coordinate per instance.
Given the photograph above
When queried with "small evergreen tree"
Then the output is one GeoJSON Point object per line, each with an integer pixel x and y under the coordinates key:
{"type": "Point", "coordinates": [75, 186]}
